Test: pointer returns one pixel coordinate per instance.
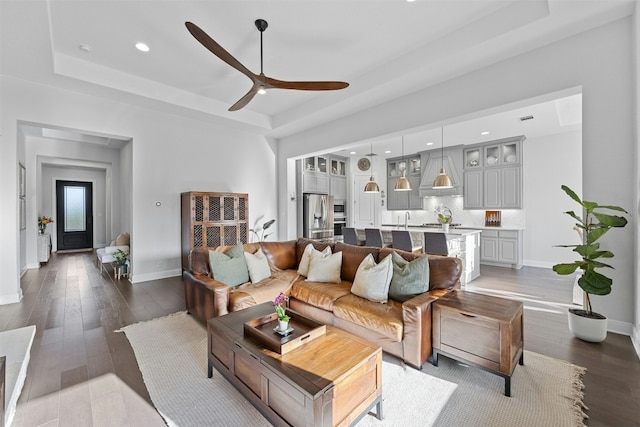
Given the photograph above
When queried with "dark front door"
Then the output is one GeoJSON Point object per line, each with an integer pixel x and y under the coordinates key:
{"type": "Point", "coordinates": [74, 215]}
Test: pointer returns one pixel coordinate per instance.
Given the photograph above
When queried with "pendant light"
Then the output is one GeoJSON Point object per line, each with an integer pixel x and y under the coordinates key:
{"type": "Point", "coordinates": [403, 184]}
{"type": "Point", "coordinates": [442, 181]}
{"type": "Point", "coordinates": [372, 185]}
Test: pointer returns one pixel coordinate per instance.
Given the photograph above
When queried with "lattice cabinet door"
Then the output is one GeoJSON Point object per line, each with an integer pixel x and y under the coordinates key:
{"type": "Point", "coordinates": [213, 219]}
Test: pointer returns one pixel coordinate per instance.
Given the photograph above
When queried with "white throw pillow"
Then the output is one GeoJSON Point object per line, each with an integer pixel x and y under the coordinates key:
{"type": "Point", "coordinates": [372, 280]}
{"type": "Point", "coordinates": [303, 268]}
{"type": "Point", "coordinates": [258, 266]}
{"type": "Point", "coordinates": [325, 268]}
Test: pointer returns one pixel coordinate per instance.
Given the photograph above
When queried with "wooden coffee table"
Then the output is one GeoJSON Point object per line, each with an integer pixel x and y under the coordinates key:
{"type": "Point", "coordinates": [484, 330]}
{"type": "Point", "coordinates": [333, 379]}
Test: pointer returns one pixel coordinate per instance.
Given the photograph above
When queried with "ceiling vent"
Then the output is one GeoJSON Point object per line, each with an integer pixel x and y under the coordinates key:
{"type": "Point", "coordinates": [524, 118]}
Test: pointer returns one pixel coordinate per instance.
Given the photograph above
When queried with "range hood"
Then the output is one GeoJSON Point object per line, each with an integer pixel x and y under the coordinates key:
{"type": "Point", "coordinates": [433, 160]}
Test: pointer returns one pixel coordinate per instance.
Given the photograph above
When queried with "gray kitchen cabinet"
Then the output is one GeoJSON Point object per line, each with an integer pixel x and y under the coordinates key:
{"type": "Point", "coordinates": [433, 160]}
{"type": "Point", "coordinates": [503, 248]}
{"type": "Point", "coordinates": [404, 200]}
{"type": "Point", "coordinates": [493, 175]}
{"type": "Point", "coordinates": [473, 189]}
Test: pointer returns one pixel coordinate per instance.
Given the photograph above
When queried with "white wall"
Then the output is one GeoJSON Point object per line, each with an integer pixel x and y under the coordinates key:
{"type": "Point", "coordinates": [549, 163]}
{"type": "Point", "coordinates": [636, 187]}
{"type": "Point", "coordinates": [600, 61]}
{"type": "Point", "coordinates": [168, 155]}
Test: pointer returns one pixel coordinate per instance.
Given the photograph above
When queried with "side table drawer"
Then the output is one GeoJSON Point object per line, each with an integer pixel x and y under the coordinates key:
{"type": "Point", "coordinates": [470, 337]}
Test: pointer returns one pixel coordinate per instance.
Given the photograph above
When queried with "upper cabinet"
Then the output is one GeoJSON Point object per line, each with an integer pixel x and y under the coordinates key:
{"type": "Point", "coordinates": [315, 178]}
{"type": "Point", "coordinates": [404, 200]}
{"type": "Point", "coordinates": [433, 160]}
{"type": "Point", "coordinates": [338, 180]}
{"type": "Point", "coordinates": [493, 174]}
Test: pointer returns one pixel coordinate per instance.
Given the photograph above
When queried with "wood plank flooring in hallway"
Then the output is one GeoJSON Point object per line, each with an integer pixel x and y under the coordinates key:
{"type": "Point", "coordinates": [84, 373]}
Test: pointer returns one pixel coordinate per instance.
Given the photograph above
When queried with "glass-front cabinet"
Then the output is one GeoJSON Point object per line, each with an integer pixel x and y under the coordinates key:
{"type": "Point", "coordinates": [338, 167]}
{"type": "Point", "coordinates": [507, 153]}
{"type": "Point", "coordinates": [410, 165]}
{"type": "Point", "coordinates": [472, 158]}
{"type": "Point", "coordinates": [316, 164]}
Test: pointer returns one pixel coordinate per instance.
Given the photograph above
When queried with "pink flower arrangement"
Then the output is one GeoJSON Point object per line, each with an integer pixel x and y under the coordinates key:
{"type": "Point", "coordinates": [280, 310]}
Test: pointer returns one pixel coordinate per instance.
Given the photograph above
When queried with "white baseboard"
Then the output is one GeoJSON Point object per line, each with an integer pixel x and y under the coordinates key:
{"type": "Point", "coordinates": [11, 298]}
{"type": "Point", "coordinates": [137, 278]}
{"type": "Point", "coordinates": [624, 328]}
{"type": "Point", "coordinates": [635, 339]}
{"type": "Point", "coordinates": [536, 263]}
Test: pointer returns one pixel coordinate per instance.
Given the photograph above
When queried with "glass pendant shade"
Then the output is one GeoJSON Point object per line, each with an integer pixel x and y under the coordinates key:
{"type": "Point", "coordinates": [402, 184]}
{"type": "Point", "coordinates": [442, 181]}
{"type": "Point", "coordinates": [372, 186]}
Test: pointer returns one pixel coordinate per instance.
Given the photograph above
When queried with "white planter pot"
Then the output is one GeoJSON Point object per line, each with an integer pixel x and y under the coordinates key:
{"type": "Point", "coordinates": [282, 325]}
{"type": "Point", "coordinates": [587, 328]}
{"type": "Point", "coordinates": [445, 228]}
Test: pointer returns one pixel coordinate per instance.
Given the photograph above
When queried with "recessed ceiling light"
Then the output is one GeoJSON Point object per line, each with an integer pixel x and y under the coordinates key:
{"type": "Point", "coordinates": [484, 133]}
{"type": "Point", "coordinates": [353, 152]}
{"type": "Point", "coordinates": [387, 152]}
{"type": "Point", "coordinates": [410, 1]}
{"type": "Point", "coordinates": [142, 47]}
{"type": "Point", "coordinates": [84, 47]}
{"type": "Point", "coordinates": [429, 143]}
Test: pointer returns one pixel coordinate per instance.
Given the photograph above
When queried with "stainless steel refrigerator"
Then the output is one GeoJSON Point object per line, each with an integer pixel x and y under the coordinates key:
{"type": "Point", "coordinates": [317, 217]}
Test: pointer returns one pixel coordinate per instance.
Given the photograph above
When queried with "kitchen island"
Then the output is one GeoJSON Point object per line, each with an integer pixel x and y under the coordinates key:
{"type": "Point", "coordinates": [461, 243]}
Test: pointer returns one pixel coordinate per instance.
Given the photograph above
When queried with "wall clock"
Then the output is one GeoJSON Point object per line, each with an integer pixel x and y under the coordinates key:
{"type": "Point", "coordinates": [364, 164]}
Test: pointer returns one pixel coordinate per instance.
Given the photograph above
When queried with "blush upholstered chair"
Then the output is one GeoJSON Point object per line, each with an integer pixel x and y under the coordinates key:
{"type": "Point", "coordinates": [105, 255]}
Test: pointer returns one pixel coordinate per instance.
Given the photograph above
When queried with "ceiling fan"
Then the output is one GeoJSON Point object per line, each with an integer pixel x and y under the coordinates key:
{"type": "Point", "coordinates": [260, 82]}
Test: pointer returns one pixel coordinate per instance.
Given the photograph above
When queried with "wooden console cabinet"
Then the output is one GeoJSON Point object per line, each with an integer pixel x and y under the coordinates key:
{"type": "Point", "coordinates": [484, 330]}
{"type": "Point", "coordinates": [213, 219]}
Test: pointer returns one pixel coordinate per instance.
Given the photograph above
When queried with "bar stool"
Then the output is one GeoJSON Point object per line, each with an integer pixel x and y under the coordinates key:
{"type": "Point", "coordinates": [374, 237]}
{"type": "Point", "coordinates": [435, 243]}
{"type": "Point", "coordinates": [402, 240]}
{"type": "Point", "coordinates": [351, 236]}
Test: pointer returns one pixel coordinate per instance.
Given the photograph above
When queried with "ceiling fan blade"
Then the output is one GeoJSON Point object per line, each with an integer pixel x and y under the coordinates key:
{"type": "Point", "coordinates": [217, 50]}
{"type": "Point", "coordinates": [280, 84]}
{"type": "Point", "coordinates": [245, 99]}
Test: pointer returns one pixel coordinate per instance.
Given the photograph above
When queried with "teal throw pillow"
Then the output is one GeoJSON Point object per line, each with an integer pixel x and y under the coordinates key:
{"type": "Point", "coordinates": [409, 278]}
{"type": "Point", "coordinates": [229, 268]}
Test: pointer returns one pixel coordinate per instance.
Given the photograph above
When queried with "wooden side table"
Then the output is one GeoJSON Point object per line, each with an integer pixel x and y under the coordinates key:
{"type": "Point", "coordinates": [484, 330]}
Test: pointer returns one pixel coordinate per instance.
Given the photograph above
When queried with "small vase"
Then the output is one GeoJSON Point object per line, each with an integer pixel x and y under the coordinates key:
{"type": "Point", "coordinates": [445, 228]}
{"type": "Point", "coordinates": [41, 229]}
{"type": "Point", "coordinates": [283, 325]}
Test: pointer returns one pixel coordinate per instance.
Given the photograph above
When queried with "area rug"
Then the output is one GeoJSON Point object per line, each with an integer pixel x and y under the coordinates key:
{"type": "Point", "coordinates": [172, 355]}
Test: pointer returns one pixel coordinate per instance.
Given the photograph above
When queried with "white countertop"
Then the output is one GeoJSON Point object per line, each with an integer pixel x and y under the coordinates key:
{"type": "Point", "coordinates": [414, 229]}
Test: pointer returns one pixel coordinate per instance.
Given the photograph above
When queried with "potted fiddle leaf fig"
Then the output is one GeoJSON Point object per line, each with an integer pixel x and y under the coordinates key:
{"type": "Point", "coordinates": [585, 323]}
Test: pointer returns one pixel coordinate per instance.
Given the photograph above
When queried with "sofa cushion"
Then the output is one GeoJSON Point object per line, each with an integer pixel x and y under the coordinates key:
{"type": "Point", "coordinates": [372, 280]}
{"type": "Point", "coordinates": [229, 268]}
{"type": "Point", "coordinates": [282, 255]}
{"type": "Point", "coordinates": [320, 295]}
{"type": "Point", "coordinates": [250, 294]}
{"type": "Point", "coordinates": [325, 268]}
{"type": "Point", "coordinates": [352, 256]}
{"type": "Point", "coordinates": [386, 319]}
{"type": "Point", "coordinates": [257, 265]}
{"type": "Point", "coordinates": [302, 243]}
{"type": "Point", "coordinates": [410, 278]}
{"type": "Point", "coordinates": [123, 239]}
{"type": "Point", "coordinates": [305, 261]}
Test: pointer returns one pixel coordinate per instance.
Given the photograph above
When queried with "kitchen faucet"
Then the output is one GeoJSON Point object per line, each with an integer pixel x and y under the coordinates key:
{"type": "Point", "coordinates": [407, 217]}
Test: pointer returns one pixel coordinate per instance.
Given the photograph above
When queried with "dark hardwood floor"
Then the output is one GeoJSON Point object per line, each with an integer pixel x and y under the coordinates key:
{"type": "Point", "coordinates": [82, 373]}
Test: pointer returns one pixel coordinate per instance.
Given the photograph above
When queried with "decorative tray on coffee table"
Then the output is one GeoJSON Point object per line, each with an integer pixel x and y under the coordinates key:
{"type": "Point", "coordinates": [263, 330]}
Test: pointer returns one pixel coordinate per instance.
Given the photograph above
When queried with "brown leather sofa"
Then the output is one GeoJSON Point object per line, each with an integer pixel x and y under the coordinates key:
{"type": "Point", "coordinates": [401, 329]}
